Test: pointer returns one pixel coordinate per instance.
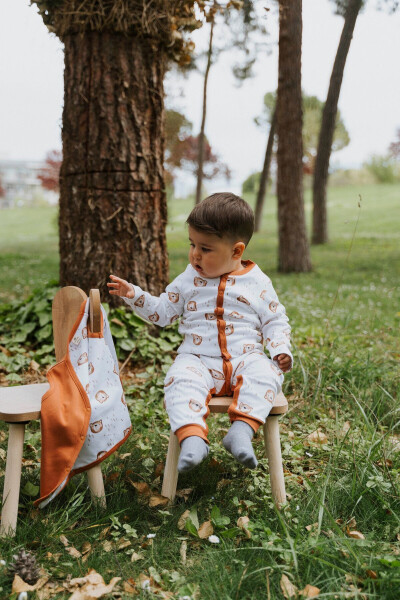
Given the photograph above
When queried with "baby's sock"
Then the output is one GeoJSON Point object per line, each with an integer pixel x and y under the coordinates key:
{"type": "Point", "coordinates": [238, 442]}
{"type": "Point", "coordinates": [193, 451]}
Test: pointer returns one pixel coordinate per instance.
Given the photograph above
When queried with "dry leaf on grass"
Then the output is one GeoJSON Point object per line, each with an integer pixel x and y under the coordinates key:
{"type": "Point", "coordinates": [91, 586]}
{"type": "Point", "coordinates": [184, 493]}
{"type": "Point", "coordinates": [129, 586]}
{"type": "Point", "coordinates": [141, 487]}
{"type": "Point", "coordinates": [312, 527]}
{"type": "Point", "coordinates": [158, 500]}
{"type": "Point", "coordinates": [136, 556]}
{"type": "Point", "coordinates": [64, 540]}
{"type": "Point", "coordinates": [205, 530]}
{"type": "Point", "coordinates": [356, 535]}
{"type": "Point", "coordinates": [19, 585]}
{"type": "Point", "coordinates": [107, 546]}
{"type": "Point", "coordinates": [123, 543]}
{"type": "Point", "coordinates": [371, 574]}
{"type": "Point", "coordinates": [309, 591]}
{"type": "Point", "coordinates": [73, 552]}
{"type": "Point", "coordinates": [318, 437]}
{"type": "Point", "coordinates": [242, 523]}
{"type": "Point", "coordinates": [288, 589]}
{"type": "Point", "coordinates": [182, 519]}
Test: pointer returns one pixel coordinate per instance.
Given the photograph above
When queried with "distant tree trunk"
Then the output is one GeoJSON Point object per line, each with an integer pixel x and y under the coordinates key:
{"type": "Point", "coordinates": [293, 246]}
{"type": "Point", "coordinates": [320, 231]}
{"type": "Point", "coordinates": [203, 120]}
{"type": "Point", "coordinates": [112, 198]}
{"type": "Point", "coordinates": [265, 174]}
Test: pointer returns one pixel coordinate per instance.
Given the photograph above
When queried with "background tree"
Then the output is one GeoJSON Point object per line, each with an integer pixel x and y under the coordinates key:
{"type": "Point", "coordinates": [394, 148]}
{"type": "Point", "coordinates": [112, 192]}
{"type": "Point", "coordinates": [350, 9]}
{"type": "Point", "coordinates": [181, 150]}
{"type": "Point", "coordinates": [241, 30]}
{"type": "Point", "coordinates": [293, 246]}
{"type": "Point", "coordinates": [49, 176]}
{"type": "Point", "coordinates": [312, 109]}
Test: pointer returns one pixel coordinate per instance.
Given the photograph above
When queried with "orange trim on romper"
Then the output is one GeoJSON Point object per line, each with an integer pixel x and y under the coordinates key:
{"type": "Point", "coordinates": [188, 430]}
{"type": "Point", "coordinates": [235, 414]}
{"type": "Point", "coordinates": [249, 265]}
{"type": "Point", "coordinates": [222, 342]}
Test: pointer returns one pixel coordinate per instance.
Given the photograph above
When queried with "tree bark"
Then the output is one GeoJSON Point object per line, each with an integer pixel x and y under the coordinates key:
{"type": "Point", "coordinates": [294, 252]}
{"type": "Point", "coordinates": [203, 120]}
{"type": "Point", "coordinates": [112, 198]}
{"type": "Point", "coordinates": [265, 174]}
{"type": "Point", "coordinates": [321, 172]}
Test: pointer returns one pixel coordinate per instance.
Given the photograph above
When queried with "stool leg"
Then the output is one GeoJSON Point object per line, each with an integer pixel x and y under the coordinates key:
{"type": "Point", "coordinates": [12, 479]}
{"type": "Point", "coordinates": [273, 453]}
{"type": "Point", "coordinates": [96, 485]}
{"type": "Point", "coordinates": [171, 468]}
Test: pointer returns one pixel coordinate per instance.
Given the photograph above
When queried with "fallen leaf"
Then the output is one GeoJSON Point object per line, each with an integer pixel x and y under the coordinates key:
{"type": "Point", "coordinates": [356, 535]}
{"type": "Point", "coordinates": [352, 523]}
{"type": "Point", "coordinates": [73, 552]}
{"type": "Point", "coordinates": [318, 437]}
{"type": "Point", "coordinates": [346, 426]}
{"type": "Point", "coordinates": [129, 586]}
{"type": "Point", "coordinates": [141, 487]}
{"type": "Point", "coordinates": [182, 552]}
{"type": "Point", "coordinates": [205, 530]}
{"type": "Point", "coordinates": [91, 587]}
{"type": "Point", "coordinates": [158, 500]}
{"type": "Point", "coordinates": [184, 493]}
{"type": "Point", "coordinates": [86, 547]}
{"type": "Point", "coordinates": [310, 591]}
{"type": "Point", "coordinates": [123, 456]}
{"type": "Point", "coordinates": [371, 574]}
{"type": "Point", "coordinates": [136, 556]}
{"type": "Point", "coordinates": [104, 532]}
{"type": "Point", "coordinates": [242, 523]}
{"type": "Point", "coordinates": [19, 585]}
{"type": "Point", "coordinates": [123, 543]}
{"type": "Point", "coordinates": [159, 469]}
{"type": "Point", "coordinates": [107, 546]}
{"type": "Point", "coordinates": [312, 527]}
{"type": "Point", "coordinates": [288, 589]}
{"type": "Point", "coordinates": [182, 519]}
{"type": "Point", "coordinates": [64, 540]}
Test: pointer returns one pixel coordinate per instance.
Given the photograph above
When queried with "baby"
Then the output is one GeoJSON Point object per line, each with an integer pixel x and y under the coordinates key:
{"type": "Point", "coordinates": [228, 310]}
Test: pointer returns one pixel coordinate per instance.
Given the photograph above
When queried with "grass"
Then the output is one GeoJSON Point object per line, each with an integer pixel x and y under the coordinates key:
{"type": "Point", "coordinates": [345, 384]}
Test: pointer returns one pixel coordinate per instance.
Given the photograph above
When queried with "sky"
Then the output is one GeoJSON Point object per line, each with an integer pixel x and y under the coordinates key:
{"type": "Point", "coordinates": [31, 80]}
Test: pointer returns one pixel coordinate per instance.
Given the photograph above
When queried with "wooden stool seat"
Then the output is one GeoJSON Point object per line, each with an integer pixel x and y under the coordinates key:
{"type": "Point", "coordinates": [220, 404]}
{"type": "Point", "coordinates": [21, 403]}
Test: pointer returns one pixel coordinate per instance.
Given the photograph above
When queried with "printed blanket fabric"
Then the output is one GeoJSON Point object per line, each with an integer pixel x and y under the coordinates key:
{"type": "Point", "coordinates": [84, 416]}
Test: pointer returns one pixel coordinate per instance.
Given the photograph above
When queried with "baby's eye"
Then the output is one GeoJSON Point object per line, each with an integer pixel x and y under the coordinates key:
{"type": "Point", "coordinates": [205, 250]}
{"type": "Point", "coordinates": [191, 245]}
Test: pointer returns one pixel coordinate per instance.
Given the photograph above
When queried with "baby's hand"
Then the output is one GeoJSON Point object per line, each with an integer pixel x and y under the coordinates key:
{"type": "Point", "coordinates": [284, 362]}
{"type": "Point", "coordinates": [120, 287]}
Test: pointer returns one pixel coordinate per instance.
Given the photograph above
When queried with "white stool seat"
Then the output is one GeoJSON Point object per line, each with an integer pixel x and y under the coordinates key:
{"type": "Point", "coordinates": [21, 403]}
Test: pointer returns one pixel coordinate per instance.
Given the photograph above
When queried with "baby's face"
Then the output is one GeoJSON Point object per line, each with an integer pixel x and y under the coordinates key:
{"type": "Point", "coordinates": [212, 256]}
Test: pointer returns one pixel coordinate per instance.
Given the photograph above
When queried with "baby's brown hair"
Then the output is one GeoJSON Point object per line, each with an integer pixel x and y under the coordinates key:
{"type": "Point", "coordinates": [225, 215]}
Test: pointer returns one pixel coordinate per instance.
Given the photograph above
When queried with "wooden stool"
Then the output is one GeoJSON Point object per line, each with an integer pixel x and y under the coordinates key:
{"type": "Point", "coordinates": [272, 449]}
{"type": "Point", "coordinates": [21, 404]}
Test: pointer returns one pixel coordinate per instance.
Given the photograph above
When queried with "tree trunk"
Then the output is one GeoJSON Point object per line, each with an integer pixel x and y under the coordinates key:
{"type": "Point", "coordinates": [112, 198]}
{"type": "Point", "coordinates": [203, 120]}
{"type": "Point", "coordinates": [320, 232]}
{"type": "Point", "coordinates": [293, 246]}
{"type": "Point", "coordinates": [265, 174]}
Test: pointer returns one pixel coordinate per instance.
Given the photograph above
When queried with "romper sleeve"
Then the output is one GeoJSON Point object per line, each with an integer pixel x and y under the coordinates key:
{"type": "Point", "coordinates": [274, 323]}
{"type": "Point", "coordinates": [161, 310]}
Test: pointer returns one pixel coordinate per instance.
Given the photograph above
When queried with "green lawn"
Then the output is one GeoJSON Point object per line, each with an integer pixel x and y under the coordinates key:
{"type": "Point", "coordinates": [345, 384]}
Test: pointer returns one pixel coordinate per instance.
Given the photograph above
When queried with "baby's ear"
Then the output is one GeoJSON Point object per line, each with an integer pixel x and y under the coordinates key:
{"type": "Point", "coordinates": [238, 249]}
